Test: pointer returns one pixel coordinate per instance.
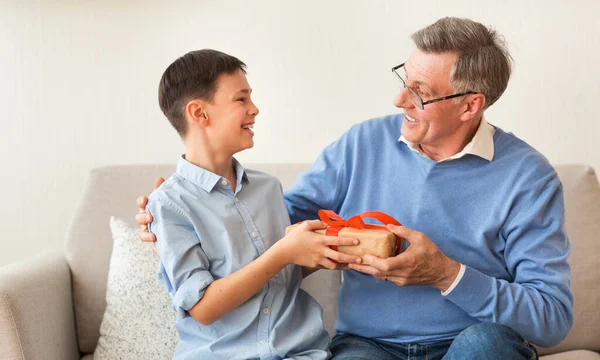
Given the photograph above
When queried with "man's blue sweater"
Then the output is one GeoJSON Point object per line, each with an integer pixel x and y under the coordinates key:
{"type": "Point", "coordinates": [503, 219]}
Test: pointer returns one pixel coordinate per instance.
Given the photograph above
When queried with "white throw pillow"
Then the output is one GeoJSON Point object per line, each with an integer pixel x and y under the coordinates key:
{"type": "Point", "coordinates": [139, 321]}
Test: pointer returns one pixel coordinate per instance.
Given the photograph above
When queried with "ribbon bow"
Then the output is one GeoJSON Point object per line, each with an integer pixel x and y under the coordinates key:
{"type": "Point", "coordinates": [336, 223]}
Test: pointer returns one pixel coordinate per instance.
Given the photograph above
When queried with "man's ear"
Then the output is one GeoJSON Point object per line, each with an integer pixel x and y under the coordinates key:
{"type": "Point", "coordinates": [474, 106]}
{"type": "Point", "coordinates": [195, 112]}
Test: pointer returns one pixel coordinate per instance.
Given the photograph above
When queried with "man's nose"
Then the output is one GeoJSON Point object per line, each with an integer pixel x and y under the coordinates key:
{"type": "Point", "coordinates": [403, 99]}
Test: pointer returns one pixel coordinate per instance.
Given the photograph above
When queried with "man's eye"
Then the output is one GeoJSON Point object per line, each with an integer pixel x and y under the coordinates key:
{"type": "Point", "coordinates": [240, 99]}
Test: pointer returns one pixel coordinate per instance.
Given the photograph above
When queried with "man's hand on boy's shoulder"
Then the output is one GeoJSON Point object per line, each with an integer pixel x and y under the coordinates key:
{"type": "Point", "coordinates": [143, 218]}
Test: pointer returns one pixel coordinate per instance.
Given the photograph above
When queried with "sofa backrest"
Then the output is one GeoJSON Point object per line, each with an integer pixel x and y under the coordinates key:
{"type": "Point", "coordinates": [112, 191]}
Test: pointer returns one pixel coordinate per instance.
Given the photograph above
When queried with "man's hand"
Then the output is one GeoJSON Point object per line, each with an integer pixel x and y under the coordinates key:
{"type": "Point", "coordinates": [422, 263]}
{"type": "Point", "coordinates": [144, 218]}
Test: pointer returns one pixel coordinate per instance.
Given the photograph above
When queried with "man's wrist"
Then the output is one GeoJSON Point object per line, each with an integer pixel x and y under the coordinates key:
{"type": "Point", "coordinates": [449, 278]}
{"type": "Point", "coordinates": [457, 280]}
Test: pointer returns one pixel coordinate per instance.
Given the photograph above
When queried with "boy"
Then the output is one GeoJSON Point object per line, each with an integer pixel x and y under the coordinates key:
{"type": "Point", "coordinates": [236, 289]}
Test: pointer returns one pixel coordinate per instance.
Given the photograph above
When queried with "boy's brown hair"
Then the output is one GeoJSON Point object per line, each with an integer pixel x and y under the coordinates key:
{"type": "Point", "coordinates": [193, 76]}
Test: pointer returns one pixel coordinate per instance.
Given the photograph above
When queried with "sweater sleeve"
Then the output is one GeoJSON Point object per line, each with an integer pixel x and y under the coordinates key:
{"type": "Point", "coordinates": [538, 301]}
{"type": "Point", "coordinates": [321, 187]}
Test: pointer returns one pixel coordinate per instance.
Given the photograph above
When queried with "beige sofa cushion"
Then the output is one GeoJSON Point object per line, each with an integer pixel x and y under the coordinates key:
{"type": "Point", "coordinates": [573, 355]}
{"type": "Point", "coordinates": [582, 203]}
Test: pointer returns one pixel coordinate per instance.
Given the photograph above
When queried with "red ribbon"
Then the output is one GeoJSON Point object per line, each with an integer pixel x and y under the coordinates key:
{"type": "Point", "coordinates": [336, 223]}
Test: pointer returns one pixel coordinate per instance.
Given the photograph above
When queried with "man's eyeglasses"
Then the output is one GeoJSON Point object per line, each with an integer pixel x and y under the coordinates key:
{"type": "Point", "coordinates": [417, 99]}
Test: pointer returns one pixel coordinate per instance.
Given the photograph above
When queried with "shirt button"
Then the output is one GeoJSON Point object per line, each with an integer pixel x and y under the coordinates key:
{"type": "Point", "coordinates": [262, 342]}
{"type": "Point", "coordinates": [237, 199]}
{"type": "Point", "coordinates": [266, 311]}
{"type": "Point", "coordinates": [224, 182]}
{"type": "Point", "coordinates": [254, 234]}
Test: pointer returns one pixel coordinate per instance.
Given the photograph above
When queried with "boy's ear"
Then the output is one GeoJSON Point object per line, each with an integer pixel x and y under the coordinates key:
{"type": "Point", "coordinates": [195, 112]}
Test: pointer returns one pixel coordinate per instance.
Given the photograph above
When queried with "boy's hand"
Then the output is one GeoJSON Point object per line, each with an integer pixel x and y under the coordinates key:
{"type": "Point", "coordinates": [304, 247]}
{"type": "Point", "coordinates": [144, 218]}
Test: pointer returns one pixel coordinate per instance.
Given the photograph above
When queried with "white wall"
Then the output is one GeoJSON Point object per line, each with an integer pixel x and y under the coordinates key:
{"type": "Point", "coordinates": [78, 84]}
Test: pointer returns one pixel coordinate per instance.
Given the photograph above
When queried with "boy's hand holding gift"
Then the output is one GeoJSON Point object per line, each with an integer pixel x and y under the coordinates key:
{"type": "Point", "coordinates": [374, 239]}
{"type": "Point", "coordinates": [308, 245]}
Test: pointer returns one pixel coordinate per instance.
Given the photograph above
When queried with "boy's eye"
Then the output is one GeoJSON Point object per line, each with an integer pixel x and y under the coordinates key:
{"type": "Point", "coordinates": [240, 99]}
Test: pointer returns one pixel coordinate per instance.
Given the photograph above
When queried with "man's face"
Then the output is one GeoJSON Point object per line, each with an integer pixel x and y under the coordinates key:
{"type": "Point", "coordinates": [429, 76]}
{"type": "Point", "coordinates": [231, 113]}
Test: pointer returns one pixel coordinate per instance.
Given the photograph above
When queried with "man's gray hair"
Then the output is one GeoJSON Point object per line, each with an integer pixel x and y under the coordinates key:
{"type": "Point", "coordinates": [483, 64]}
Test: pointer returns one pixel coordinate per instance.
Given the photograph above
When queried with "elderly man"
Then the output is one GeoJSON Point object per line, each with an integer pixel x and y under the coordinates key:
{"type": "Point", "coordinates": [486, 272]}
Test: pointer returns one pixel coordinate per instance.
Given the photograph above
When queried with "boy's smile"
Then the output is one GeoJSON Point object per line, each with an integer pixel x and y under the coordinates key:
{"type": "Point", "coordinates": [249, 127]}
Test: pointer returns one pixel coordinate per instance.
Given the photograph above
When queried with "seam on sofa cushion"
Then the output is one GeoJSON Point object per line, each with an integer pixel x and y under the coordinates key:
{"type": "Point", "coordinates": [12, 317]}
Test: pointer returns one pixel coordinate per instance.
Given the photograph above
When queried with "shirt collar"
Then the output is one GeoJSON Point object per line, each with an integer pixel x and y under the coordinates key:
{"type": "Point", "coordinates": [205, 179]}
{"type": "Point", "coordinates": [481, 145]}
{"type": "Point", "coordinates": [240, 173]}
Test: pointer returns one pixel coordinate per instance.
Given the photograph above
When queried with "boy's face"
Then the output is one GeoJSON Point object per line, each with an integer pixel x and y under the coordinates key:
{"type": "Point", "coordinates": [231, 113]}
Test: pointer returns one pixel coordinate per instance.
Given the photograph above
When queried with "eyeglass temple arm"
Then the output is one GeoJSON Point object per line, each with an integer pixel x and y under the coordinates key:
{"type": "Point", "coordinates": [448, 97]}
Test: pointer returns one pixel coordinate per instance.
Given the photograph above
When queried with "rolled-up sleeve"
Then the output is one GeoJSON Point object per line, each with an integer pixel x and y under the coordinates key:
{"type": "Point", "coordinates": [183, 268]}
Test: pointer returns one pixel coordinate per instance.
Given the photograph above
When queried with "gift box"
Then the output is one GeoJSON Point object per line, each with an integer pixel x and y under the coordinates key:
{"type": "Point", "coordinates": [374, 239]}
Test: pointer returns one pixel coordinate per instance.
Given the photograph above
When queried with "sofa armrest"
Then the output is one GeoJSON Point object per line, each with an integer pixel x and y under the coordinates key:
{"type": "Point", "coordinates": [36, 310]}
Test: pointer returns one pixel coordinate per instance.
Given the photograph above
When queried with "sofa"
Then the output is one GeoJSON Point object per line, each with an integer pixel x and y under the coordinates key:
{"type": "Point", "coordinates": [51, 305]}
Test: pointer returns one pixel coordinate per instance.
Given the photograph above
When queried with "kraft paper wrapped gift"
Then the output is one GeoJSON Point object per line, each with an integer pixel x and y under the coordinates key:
{"type": "Point", "coordinates": [374, 239]}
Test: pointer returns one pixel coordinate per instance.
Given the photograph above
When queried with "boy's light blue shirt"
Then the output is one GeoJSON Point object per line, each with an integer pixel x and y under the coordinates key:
{"type": "Point", "coordinates": [205, 232]}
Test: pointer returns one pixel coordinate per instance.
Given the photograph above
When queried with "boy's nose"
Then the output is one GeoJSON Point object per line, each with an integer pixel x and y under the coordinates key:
{"type": "Point", "coordinates": [254, 110]}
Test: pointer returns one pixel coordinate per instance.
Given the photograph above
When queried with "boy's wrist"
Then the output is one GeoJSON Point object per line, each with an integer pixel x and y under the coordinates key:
{"type": "Point", "coordinates": [278, 254]}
